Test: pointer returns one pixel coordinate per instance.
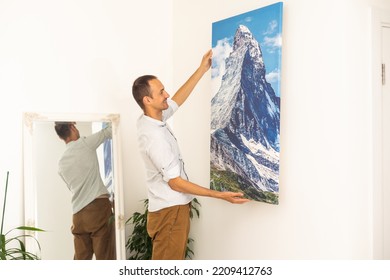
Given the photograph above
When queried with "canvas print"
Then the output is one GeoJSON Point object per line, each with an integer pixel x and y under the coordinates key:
{"type": "Point", "coordinates": [107, 153]}
{"type": "Point", "coordinates": [245, 104]}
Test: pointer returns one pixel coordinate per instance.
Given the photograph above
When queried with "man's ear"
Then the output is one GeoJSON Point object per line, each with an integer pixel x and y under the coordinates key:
{"type": "Point", "coordinates": [146, 100]}
{"type": "Point", "coordinates": [73, 130]}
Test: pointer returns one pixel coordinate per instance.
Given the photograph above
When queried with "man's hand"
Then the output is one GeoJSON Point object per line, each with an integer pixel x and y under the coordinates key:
{"type": "Point", "coordinates": [233, 197]}
{"type": "Point", "coordinates": [206, 61]}
{"type": "Point", "coordinates": [180, 185]}
{"type": "Point", "coordinates": [185, 90]}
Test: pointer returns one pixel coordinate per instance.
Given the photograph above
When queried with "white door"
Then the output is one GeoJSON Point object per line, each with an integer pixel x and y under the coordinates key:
{"type": "Point", "coordinates": [386, 138]}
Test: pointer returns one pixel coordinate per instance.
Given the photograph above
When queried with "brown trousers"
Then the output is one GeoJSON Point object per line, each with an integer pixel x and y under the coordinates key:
{"type": "Point", "coordinates": [169, 229]}
{"type": "Point", "coordinates": [93, 232]}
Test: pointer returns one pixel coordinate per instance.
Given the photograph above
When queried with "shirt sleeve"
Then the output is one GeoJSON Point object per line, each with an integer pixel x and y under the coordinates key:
{"type": "Point", "coordinates": [171, 110]}
{"type": "Point", "coordinates": [164, 160]}
{"type": "Point", "coordinates": [95, 140]}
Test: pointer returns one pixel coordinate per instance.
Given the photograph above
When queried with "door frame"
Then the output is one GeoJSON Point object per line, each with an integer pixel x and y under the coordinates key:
{"type": "Point", "coordinates": [379, 19]}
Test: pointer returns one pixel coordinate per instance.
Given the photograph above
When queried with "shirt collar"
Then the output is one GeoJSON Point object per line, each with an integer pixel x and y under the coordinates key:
{"type": "Point", "coordinates": [153, 121]}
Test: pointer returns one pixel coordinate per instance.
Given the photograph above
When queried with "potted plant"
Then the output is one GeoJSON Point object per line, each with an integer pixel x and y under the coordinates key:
{"type": "Point", "coordinates": [139, 244]}
{"type": "Point", "coordinates": [12, 247]}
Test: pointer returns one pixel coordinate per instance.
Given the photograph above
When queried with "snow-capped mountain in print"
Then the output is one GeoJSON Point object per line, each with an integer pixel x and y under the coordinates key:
{"type": "Point", "coordinates": [245, 125]}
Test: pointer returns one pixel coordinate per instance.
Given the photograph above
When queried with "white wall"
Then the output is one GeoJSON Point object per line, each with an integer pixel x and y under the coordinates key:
{"type": "Point", "coordinates": [325, 209]}
{"type": "Point", "coordinates": [82, 56]}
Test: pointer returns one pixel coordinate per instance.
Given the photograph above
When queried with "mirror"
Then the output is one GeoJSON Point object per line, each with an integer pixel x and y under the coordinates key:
{"type": "Point", "coordinates": [47, 198]}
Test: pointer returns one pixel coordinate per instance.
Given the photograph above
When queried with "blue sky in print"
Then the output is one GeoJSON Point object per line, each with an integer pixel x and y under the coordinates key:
{"type": "Point", "coordinates": [266, 26]}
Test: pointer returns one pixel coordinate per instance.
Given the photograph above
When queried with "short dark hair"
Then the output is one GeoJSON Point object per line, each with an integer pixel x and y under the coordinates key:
{"type": "Point", "coordinates": [63, 129]}
{"type": "Point", "coordinates": [141, 88]}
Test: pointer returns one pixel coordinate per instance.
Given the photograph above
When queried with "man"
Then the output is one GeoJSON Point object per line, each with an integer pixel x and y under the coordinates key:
{"type": "Point", "coordinates": [92, 229]}
{"type": "Point", "coordinates": [169, 191]}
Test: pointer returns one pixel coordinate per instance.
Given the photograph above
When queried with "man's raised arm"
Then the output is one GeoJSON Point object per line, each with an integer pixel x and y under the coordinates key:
{"type": "Point", "coordinates": [185, 90]}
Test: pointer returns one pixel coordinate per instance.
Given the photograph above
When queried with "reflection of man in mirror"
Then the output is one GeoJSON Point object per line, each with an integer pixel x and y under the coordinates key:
{"type": "Point", "coordinates": [169, 191]}
{"type": "Point", "coordinates": [92, 228]}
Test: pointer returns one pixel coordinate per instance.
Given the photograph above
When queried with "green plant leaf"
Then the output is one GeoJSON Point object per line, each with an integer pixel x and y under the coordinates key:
{"type": "Point", "coordinates": [13, 247]}
{"type": "Point", "coordinates": [4, 204]}
{"type": "Point", "coordinates": [30, 228]}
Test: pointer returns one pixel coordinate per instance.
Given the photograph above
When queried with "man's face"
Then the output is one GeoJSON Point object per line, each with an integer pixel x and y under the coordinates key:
{"type": "Point", "coordinates": [159, 95]}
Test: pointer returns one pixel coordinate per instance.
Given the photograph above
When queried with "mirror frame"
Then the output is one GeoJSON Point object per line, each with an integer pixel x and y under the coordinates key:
{"type": "Point", "coordinates": [30, 207]}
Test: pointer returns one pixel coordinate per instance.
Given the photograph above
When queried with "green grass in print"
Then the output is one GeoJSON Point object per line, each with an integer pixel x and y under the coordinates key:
{"type": "Point", "coordinates": [229, 181]}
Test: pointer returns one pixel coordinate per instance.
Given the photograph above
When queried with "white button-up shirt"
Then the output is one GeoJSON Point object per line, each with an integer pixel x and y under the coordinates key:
{"type": "Point", "coordinates": [79, 168]}
{"type": "Point", "coordinates": [162, 159]}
